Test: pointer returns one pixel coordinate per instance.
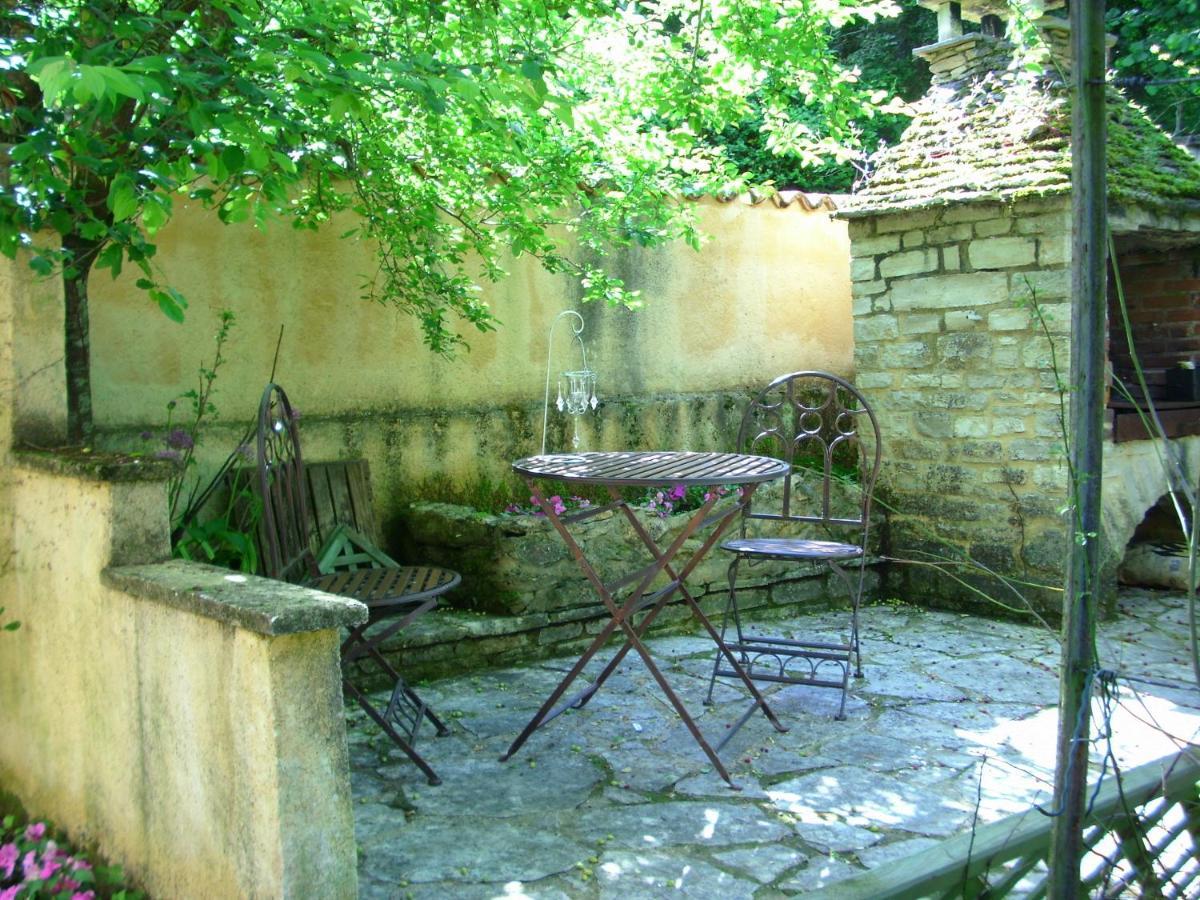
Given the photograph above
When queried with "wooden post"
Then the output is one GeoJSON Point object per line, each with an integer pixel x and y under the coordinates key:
{"type": "Point", "coordinates": [1085, 444]}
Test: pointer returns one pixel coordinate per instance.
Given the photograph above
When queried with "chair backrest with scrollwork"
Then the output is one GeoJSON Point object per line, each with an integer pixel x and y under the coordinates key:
{"type": "Point", "coordinates": [824, 427]}
{"type": "Point", "coordinates": [287, 551]}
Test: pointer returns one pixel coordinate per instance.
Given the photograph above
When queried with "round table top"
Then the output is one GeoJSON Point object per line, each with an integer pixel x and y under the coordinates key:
{"type": "Point", "coordinates": [652, 467]}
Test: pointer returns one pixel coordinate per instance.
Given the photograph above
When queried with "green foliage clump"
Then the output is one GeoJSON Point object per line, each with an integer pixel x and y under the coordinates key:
{"type": "Point", "coordinates": [1160, 42]}
{"type": "Point", "coordinates": [448, 137]}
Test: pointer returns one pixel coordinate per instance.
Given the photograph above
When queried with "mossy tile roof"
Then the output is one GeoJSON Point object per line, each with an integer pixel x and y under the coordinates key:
{"type": "Point", "coordinates": [1005, 137]}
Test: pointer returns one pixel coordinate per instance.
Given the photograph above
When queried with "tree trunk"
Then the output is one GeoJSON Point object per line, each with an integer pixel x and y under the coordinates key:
{"type": "Point", "coordinates": [77, 350]}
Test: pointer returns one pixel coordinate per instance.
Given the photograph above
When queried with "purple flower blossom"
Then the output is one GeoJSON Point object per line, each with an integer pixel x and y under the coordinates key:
{"type": "Point", "coordinates": [147, 435]}
{"type": "Point", "coordinates": [678, 492]}
{"type": "Point", "coordinates": [179, 439]}
{"type": "Point", "coordinates": [36, 831]}
{"type": "Point", "coordinates": [173, 455]}
{"type": "Point", "coordinates": [8, 859]}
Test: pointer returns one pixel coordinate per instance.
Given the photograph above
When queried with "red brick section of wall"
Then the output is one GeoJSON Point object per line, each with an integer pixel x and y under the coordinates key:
{"type": "Point", "coordinates": [1162, 292]}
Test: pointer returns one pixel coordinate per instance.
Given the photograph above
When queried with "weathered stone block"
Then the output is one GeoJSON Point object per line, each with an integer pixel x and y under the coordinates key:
{"type": "Point", "coordinates": [862, 268]}
{"type": "Point", "coordinates": [962, 319]}
{"type": "Point", "coordinates": [1009, 320]}
{"type": "Point", "coordinates": [936, 425]}
{"type": "Point", "coordinates": [982, 450]}
{"type": "Point", "coordinates": [875, 328]}
{"type": "Point", "coordinates": [1054, 250]}
{"type": "Point", "coordinates": [933, 380]}
{"type": "Point", "coordinates": [972, 426]}
{"type": "Point", "coordinates": [909, 262]}
{"type": "Point", "coordinates": [873, 381]}
{"type": "Point", "coordinates": [860, 229]}
{"type": "Point", "coordinates": [946, 234]}
{"type": "Point", "coordinates": [1005, 357]}
{"type": "Point", "coordinates": [1057, 317]}
{"type": "Point", "coordinates": [971, 212]}
{"type": "Point", "coordinates": [1002, 252]}
{"type": "Point", "coordinates": [921, 219]}
{"type": "Point", "coordinates": [920, 323]}
{"type": "Point", "coordinates": [1043, 284]}
{"type": "Point", "coordinates": [946, 479]}
{"type": "Point", "coordinates": [952, 259]}
{"type": "Point", "coordinates": [874, 245]}
{"type": "Point", "coordinates": [555, 634]}
{"type": "Point", "coordinates": [1008, 425]}
{"type": "Point", "coordinates": [1030, 450]}
{"type": "Point", "coordinates": [902, 447]}
{"type": "Point", "coordinates": [909, 355]}
{"type": "Point", "coordinates": [1047, 551]}
{"type": "Point", "coordinates": [1036, 355]}
{"type": "Point", "coordinates": [867, 288]}
{"type": "Point", "coordinates": [964, 348]}
{"type": "Point", "coordinates": [1047, 223]}
{"type": "Point", "coordinates": [992, 228]}
{"type": "Point", "coordinates": [1051, 476]}
{"type": "Point", "coordinates": [1048, 425]}
{"type": "Point", "coordinates": [912, 239]}
{"type": "Point", "coordinates": [861, 306]}
{"type": "Point", "coordinates": [950, 291]}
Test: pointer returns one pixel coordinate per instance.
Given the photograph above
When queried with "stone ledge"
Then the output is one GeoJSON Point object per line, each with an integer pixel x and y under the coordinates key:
{"type": "Point", "coordinates": [79, 463]}
{"type": "Point", "coordinates": [256, 604]}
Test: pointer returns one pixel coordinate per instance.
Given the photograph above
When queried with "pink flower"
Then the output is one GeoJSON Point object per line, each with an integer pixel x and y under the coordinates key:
{"type": "Point", "coordinates": [10, 893]}
{"type": "Point", "coordinates": [559, 507]}
{"type": "Point", "coordinates": [36, 831]}
{"type": "Point", "coordinates": [678, 492]}
{"type": "Point", "coordinates": [8, 859]}
{"type": "Point", "coordinates": [81, 895]}
{"type": "Point", "coordinates": [49, 866]}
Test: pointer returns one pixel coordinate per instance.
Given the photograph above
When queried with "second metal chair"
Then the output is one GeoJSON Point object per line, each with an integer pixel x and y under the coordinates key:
{"type": "Point", "coordinates": [822, 426]}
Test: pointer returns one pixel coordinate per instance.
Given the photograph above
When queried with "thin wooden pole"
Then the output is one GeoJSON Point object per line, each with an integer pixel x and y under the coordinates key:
{"type": "Point", "coordinates": [1085, 444]}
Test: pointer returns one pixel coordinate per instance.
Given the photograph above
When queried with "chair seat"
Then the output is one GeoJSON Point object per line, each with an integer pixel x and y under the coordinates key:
{"type": "Point", "coordinates": [381, 587]}
{"type": "Point", "coordinates": [793, 548]}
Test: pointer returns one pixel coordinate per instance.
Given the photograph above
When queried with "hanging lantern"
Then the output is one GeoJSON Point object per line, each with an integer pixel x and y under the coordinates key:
{"type": "Point", "coordinates": [576, 388]}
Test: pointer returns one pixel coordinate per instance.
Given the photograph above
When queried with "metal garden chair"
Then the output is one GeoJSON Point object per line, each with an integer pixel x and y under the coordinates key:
{"type": "Point", "coordinates": [824, 428]}
{"type": "Point", "coordinates": [395, 595]}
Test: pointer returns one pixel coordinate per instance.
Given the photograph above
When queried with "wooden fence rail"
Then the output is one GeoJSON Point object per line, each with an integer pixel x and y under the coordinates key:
{"type": "Point", "coordinates": [1141, 835]}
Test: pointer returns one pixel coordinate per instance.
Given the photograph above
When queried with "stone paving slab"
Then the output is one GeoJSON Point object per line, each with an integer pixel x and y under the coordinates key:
{"type": "Point", "coordinates": [954, 723]}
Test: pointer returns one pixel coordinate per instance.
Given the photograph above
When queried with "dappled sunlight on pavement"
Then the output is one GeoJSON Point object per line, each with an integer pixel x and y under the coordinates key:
{"type": "Point", "coordinates": [953, 725]}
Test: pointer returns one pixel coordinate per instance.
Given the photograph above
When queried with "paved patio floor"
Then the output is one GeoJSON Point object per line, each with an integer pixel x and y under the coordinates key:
{"type": "Point", "coordinates": [953, 723]}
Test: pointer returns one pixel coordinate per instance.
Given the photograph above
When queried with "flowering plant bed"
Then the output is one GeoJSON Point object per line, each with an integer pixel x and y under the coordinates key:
{"type": "Point", "coordinates": [34, 864]}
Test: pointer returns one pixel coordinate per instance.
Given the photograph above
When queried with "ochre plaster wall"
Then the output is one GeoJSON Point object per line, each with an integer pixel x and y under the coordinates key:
{"type": "Point", "coordinates": [768, 293]}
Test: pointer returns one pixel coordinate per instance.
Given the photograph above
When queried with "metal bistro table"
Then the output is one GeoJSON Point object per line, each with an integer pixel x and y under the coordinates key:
{"type": "Point", "coordinates": [647, 469]}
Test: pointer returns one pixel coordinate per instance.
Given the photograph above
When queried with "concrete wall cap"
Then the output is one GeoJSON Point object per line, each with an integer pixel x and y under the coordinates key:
{"type": "Point", "coordinates": [256, 604]}
{"type": "Point", "coordinates": [80, 463]}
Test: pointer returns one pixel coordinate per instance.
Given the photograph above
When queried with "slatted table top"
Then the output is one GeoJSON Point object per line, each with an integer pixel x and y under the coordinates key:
{"type": "Point", "coordinates": [650, 468]}
{"type": "Point", "coordinates": [381, 586]}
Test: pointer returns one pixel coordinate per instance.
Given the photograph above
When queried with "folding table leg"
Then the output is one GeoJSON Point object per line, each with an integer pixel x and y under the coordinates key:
{"type": "Point", "coordinates": [391, 732]}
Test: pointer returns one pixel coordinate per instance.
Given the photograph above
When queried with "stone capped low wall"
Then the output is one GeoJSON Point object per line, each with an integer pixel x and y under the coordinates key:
{"type": "Point", "coordinates": [185, 721]}
{"type": "Point", "coordinates": [524, 597]}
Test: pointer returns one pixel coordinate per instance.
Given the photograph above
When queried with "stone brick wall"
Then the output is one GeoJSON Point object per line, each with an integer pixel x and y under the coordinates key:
{"type": "Point", "coordinates": [963, 377]}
